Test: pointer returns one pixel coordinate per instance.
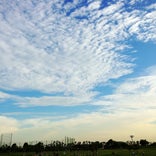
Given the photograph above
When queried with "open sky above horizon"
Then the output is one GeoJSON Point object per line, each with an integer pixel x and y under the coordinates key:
{"type": "Point", "coordinates": [79, 68]}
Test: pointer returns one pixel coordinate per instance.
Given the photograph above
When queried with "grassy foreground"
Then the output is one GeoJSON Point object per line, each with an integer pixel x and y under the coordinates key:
{"type": "Point", "coordinates": [118, 152]}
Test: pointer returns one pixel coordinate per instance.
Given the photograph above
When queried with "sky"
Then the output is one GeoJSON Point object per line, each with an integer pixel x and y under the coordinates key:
{"type": "Point", "coordinates": [79, 68]}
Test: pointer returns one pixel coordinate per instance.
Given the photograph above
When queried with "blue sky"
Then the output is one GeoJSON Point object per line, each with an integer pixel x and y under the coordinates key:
{"type": "Point", "coordinates": [86, 67]}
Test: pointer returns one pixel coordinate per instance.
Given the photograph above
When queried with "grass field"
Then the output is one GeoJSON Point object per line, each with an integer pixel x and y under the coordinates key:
{"type": "Point", "coordinates": [140, 152]}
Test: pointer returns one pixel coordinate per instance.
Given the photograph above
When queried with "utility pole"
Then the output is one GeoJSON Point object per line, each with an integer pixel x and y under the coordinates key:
{"type": "Point", "coordinates": [11, 139]}
{"type": "Point", "coordinates": [1, 140]}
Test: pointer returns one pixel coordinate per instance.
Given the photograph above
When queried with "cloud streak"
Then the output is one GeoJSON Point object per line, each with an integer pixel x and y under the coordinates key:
{"type": "Point", "coordinates": [134, 94]}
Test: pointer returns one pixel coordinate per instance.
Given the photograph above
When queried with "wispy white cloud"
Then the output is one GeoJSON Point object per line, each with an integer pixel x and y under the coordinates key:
{"type": "Point", "coordinates": [152, 6]}
{"type": "Point", "coordinates": [53, 101]}
{"type": "Point", "coordinates": [136, 93]}
{"type": "Point", "coordinates": [151, 70]}
{"type": "Point", "coordinates": [5, 96]}
{"type": "Point", "coordinates": [132, 2]}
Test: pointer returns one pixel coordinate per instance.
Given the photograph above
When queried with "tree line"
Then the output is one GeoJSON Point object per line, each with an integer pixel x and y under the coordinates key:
{"type": "Point", "coordinates": [76, 146]}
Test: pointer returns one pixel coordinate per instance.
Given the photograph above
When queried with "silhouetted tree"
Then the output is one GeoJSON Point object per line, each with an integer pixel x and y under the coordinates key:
{"type": "Point", "coordinates": [153, 144]}
{"type": "Point", "coordinates": [5, 148]}
{"type": "Point", "coordinates": [39, 147]}
{"type": "Point", "coordinates": [111, 144]}
{"type": "Point", "coordinates": [144, 142]}
{"type": "Point", "coordinates": [14, 148]}
{"type": "Point", "coordinates": [25, 147]}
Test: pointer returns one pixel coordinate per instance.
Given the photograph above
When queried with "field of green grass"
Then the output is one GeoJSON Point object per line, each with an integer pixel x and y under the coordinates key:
{"type": "Point", "coordinates": [118, 152]}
